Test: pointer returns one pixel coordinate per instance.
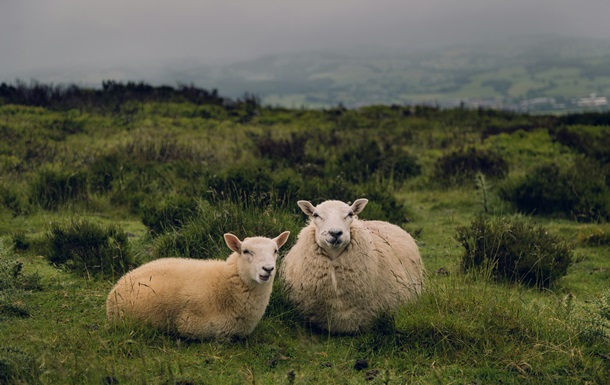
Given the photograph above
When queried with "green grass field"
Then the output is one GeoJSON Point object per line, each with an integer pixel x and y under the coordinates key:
{"type": "Point", "coordinates": [244, 172]}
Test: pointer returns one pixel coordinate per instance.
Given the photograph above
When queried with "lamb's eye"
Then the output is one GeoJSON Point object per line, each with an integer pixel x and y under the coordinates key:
{"type": "Point", "coordinates": [275, 252]}
{"type": "Point", "coordinates": [351, 214]}
{"type": "Point", "coordinates": [316, 215]}
{"type": "Point", "coordinates": [246, 251]}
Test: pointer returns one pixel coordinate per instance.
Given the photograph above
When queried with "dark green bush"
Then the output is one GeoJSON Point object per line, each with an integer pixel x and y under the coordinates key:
{"type": "Point", "coordinates": [574, 190]}
{"type": "Point", "coordinates": [202, 236]}
{"type": "Point", "coordinates": [289, 151]}
{"type": "Point", "coordinates": [12, 200]}
{"type": "Point", "coordinates": [514, 251]}
{"type": "Point", "coordinates": [593, 141]}
{"type": "Point", "coordinates": [318, 190]}
{"type": "Point", "coordinates": [136, 186]}
{"type": "Point", "coordinates": [383, 204]}
{"type": "Point", "coordinates": [103, 171]}
{"type": "Point", "coordinates": [461, 167]}
{"type": "Point", "coordinates": [255, 185]}
{"type": "Point", "coordinates": [52, 188]}
{"type": "Point", "coordinates": [159, 149]}
{"type": "Point", "coordinates": [371, 159]}
{"type": "Point", "coordinates": [168, 215]}
{"type": "Point", "coordinates": [90, 249]}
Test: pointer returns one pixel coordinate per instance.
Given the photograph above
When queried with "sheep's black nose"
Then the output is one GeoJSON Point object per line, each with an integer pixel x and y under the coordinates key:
{"type": "Point", "coordinates": [336, 233]}
{"type": "Point", "coordinates": [268, 269]}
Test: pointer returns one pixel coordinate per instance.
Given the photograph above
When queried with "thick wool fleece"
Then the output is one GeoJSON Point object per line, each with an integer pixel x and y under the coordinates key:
{"type": "Point", "coordinates": [204, 299]}
{"type": "Point", "coordinates": [380, 270]}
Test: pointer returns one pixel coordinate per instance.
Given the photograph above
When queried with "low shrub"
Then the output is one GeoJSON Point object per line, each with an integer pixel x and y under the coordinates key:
{"type": "Point", "coordinates": [202, 236]}
{"type": "Point", "coordinates": [289, 151]}
{"type": "Point", "coordinates": [52, 188]}
{"type": "Point", "coordinates": [90, 249]}
{"type": "Point", "coordinates": [574, 190]}
{"type": "Point", "coordinates": [168, 215]}
{"type": "Point", "coordinates": [103, 170]}
{"type": "Point", "coordinates": [593, 141]}
{"type": "Point", "coordinates": [461, 167]}
{"type": "Point", "coordinates": [21, 241]}
{"type": "Point", "coordinates": [383, 204]}
{"type": "Point", "coordinates": [513, 250]}
{"type": "Point", "coordinates": [254, 185]}
{"type": "Point", "coordinates": [371, 159]}
{"type": "Point", "coordinates": [13, 200]}
{"type": "Point", "coordinates": [318, 190]}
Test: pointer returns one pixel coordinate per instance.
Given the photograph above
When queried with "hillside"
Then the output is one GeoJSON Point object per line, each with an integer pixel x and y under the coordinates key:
{"type": "Point", "coordinates": [510, 212]}
{"type": "Point", "coordinates": [511, 74]}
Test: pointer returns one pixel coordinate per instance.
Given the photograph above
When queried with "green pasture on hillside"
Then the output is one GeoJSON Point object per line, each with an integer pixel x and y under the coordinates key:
{"type": "Point", "coordinates": [175, 174]}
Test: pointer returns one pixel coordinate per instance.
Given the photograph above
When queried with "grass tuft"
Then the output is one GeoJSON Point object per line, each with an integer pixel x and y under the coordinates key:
{"type": "Point", "coordinates": [89, 249]}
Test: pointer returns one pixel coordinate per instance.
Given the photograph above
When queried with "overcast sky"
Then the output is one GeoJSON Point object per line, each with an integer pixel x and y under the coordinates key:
{"type": "Point", "coordinates": [58, 34]}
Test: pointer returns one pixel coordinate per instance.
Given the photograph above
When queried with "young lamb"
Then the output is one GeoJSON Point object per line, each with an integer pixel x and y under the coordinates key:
{"type": "Point", "coordinates": [203, 299]}
{"type": "Point", "coordinates": [343, 272]}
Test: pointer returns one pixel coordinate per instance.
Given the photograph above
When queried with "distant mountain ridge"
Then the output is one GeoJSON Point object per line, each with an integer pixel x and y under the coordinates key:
{"type": "Point", "coordinates": [526, 73]}
{"type": "Point", "coordinates": [530, 72]}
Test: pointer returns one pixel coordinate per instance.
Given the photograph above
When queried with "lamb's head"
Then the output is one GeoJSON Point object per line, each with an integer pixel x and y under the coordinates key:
{"type": "Point", "coordinates": [257, 255]}
{"type": "Point", "coordinates": [332, 220]}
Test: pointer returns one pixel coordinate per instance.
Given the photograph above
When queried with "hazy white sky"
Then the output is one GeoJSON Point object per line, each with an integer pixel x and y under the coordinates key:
{"type": "Point", "coordinates": [55, 34]}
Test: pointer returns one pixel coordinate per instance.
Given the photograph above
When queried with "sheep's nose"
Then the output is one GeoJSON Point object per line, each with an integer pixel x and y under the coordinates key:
{"type": "Point", "coordinates": [268, 269]}
{"type": "Point", "coordinates": [336, 233]}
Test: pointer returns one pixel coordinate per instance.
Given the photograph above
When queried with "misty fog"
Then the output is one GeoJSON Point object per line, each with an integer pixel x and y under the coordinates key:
{"type": "Point", "coordinates": [40, 36]}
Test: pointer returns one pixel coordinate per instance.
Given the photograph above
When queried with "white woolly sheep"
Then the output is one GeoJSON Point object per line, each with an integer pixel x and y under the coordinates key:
{"type": "Point", "coordinates": [203, 299]}
{"type": "Point", "coordinates": [343, 272]}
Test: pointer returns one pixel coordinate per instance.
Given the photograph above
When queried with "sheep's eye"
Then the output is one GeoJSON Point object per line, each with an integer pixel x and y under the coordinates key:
{"type": "Point", "coordinates": [316, 215]}
{"type": "Point", "coordinates": [246, 251]}
{"type": "Point", "coordinates": [351, 214]}
{"type": "Point", "coordinates": [275, 252]}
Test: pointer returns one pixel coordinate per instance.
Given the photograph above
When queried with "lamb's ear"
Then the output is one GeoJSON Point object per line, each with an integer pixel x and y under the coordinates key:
{"type": "Point", "coordinates": [233, 242]}
{"type": "Point", "coordinates": [282, 238]}
{"type": "Point", "coordinates": [307, 207]}
{"type": "Point", "coordinates": [359, 205]}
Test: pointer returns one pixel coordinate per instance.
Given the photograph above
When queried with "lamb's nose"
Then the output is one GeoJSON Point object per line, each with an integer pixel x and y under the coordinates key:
{"type": "Point", "coordinates": [336, 233]}
{"type": "Point", "coordinates": [268, 269]}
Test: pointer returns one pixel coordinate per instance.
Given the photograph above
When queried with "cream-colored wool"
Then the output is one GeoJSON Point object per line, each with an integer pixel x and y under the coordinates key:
{"type": "Point", "coordinates": [343, 272]}
{"type": "Point", "coordinates": [203, 299]}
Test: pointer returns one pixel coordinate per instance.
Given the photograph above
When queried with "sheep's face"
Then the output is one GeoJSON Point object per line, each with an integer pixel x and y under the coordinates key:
{"type": "Point", "coordinates": [332, 220]}
{"type": "Point", "coordinates": [258, 255]}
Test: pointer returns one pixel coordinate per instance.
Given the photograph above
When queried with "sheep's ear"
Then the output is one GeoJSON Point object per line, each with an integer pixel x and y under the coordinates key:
{"type": "Point", "coordinates": [282, 238]}
{"type": "Point", "coordinates": [307, 207]}
{"type": "Point", "coordinates": [233, 242]}
{"type": "Point", "coordinates": [359, 205]}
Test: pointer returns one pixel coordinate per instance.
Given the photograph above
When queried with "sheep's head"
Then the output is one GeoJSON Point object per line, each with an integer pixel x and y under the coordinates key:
{"type": "Point", "coordinates": [332, 220]}
{"type": "Point", "coordinates": [259, 253]}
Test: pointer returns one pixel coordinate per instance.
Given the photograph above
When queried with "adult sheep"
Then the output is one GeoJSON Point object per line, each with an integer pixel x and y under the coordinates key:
{"type": "Point", "coordinates": [343, 272]}
{"type": "Point", "coordinates": [202, 299]}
